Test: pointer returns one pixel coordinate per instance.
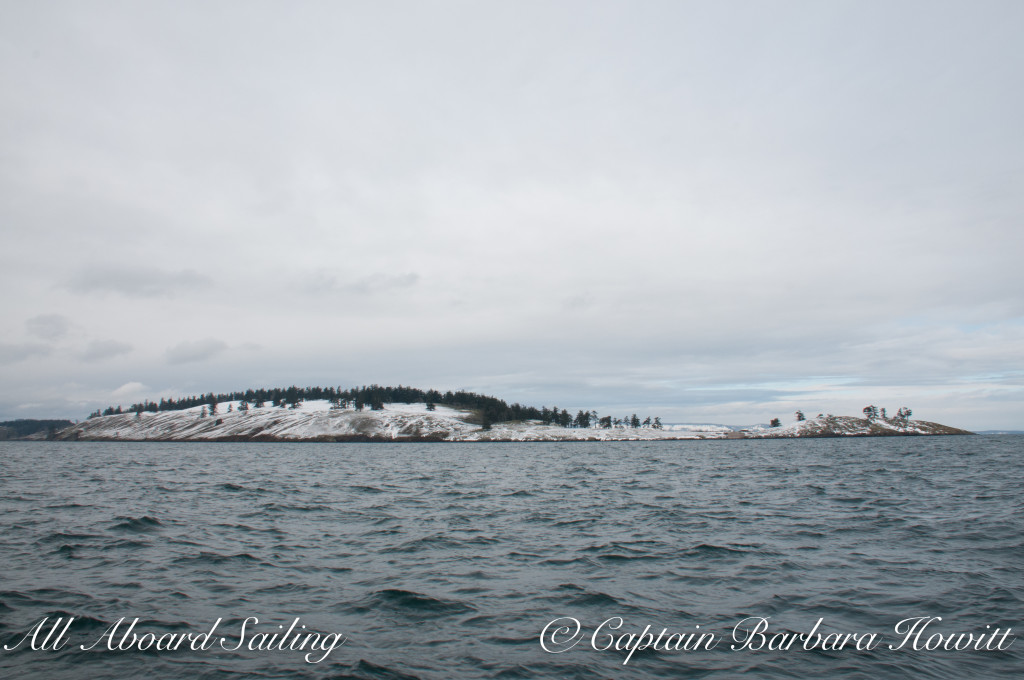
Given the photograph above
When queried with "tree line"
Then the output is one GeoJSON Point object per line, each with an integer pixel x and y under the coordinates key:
{"type": "Point", "coordinates": [373, 397]}
{"type": "Point", "coordinates": [13, 429]}
{"type": "Point", "coordinates": [871, 412]}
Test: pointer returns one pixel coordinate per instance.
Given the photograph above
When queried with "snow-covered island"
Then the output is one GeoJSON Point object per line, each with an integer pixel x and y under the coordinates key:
{"type": "Point", "coordinates": [320, 420]}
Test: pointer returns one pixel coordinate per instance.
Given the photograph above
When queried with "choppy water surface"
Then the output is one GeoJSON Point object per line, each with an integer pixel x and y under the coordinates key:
{"type": "Point", "coordinates": [448, 560]}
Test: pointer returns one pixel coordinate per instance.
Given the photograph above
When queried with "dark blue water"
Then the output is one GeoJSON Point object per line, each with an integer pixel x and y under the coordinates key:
{"type": "Point", "coordinates": [449, 560]}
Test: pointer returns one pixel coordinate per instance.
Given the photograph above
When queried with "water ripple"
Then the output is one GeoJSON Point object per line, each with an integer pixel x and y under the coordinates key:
{"type": "Point", "coordinates": [446, 561]}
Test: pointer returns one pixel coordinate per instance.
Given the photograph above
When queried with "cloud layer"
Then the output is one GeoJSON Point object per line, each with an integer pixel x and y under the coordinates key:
{"type": "Point", "coordinates": [196, 350]}
{"type": "Point", "coordinates": [708, 213]}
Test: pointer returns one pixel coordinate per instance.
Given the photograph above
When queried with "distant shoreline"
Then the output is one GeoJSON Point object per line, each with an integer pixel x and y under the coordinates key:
{"type": "Point", "coordinates": [362, 439]}
{"type": "Point", "coordinates": [324, 422]}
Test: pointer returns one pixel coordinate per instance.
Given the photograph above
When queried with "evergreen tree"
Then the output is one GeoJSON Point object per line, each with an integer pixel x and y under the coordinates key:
{"type": "Point", "coordinates": [775, 422]}
{"type": "Point", "coordinates": [800, 416]}
{"type": "Point", "coordinates": [582, 419]}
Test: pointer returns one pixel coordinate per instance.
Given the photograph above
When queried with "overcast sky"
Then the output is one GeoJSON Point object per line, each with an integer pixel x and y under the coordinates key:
{"type": "Point", "coordinates": [707, 211]}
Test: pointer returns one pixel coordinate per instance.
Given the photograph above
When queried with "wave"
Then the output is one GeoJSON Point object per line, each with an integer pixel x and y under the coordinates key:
{"type": "Point", "coordinates": [67, 536]}
{"type": "Point", "coordinates": [578, 596]}
{"type": "Point", "coordinates": [409, 602]}
{"type": "Point", "coordinates": [217, 558]}
{"type": "Point", "coordinates": [364, 670]}
{"type": "Point", "coordinates": [137, 524]}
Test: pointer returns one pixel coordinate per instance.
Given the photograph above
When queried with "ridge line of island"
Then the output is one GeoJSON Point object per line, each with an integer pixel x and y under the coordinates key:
{"type": "Point", "coordinates": [368, 415]}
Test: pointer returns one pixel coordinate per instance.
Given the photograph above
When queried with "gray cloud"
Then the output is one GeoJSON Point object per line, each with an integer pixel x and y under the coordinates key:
{"type": "Point", "coordinates": [135, 281]}
{"type": "Point", "coordinates": [196, 350]}
{"type": "Point", "coordinates": [48, 326]}
{"type": "Point", "coordinates": [98, 350]}
{"type": "Point", "coordinates": [131, 389]}
{"type": "Point", "coordinates": [366, 285]}
{"type": "Point", "coordinates": [14, 353]}
{"type": "Point", "coordinates": [686, 207]}
{"type": "Point", "coordinates": [377, 283]}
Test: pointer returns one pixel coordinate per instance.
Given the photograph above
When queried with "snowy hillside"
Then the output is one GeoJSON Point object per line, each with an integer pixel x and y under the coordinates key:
{"type": "Point", "coordinates": [319, 421]}
{"type": "Point", "coordinates": [846, 426]}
